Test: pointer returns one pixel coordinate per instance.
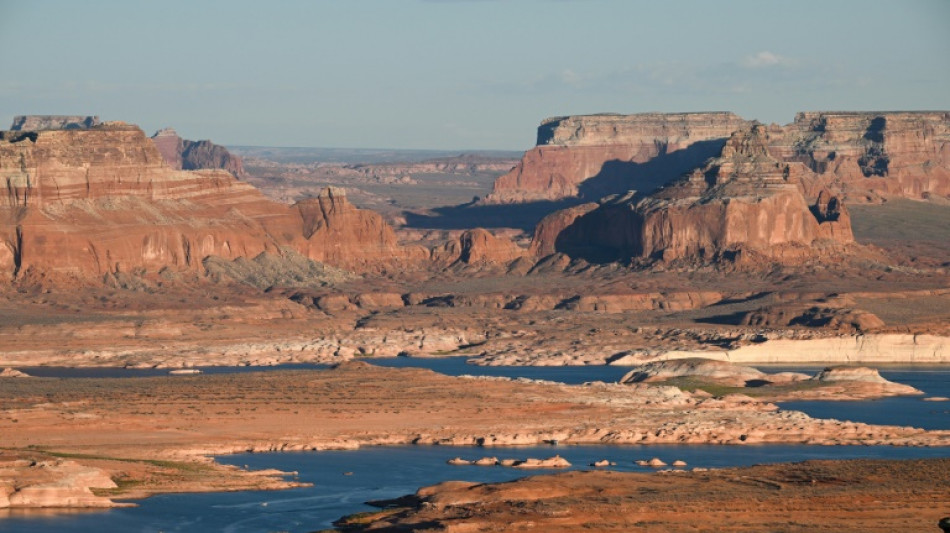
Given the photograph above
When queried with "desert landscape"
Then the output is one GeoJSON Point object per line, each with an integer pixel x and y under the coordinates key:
{"type": "Point", "coordinates": [445, 266]}
{"type": "Point", "coordinates": [119, 256]}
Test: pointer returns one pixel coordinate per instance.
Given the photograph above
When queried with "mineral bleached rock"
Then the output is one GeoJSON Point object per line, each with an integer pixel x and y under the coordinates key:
{"type": "Point", "coordinates": [743, 200]}
{"type": "Point", "coordinates": [850, 373]}
{"type": "Point", "coordinates": [572, 150]}
{"type": "Point", "coordinates": [53, 122]}
{"type": "Point", "coordinates": [718, 371]}
{"type": "Point", "coordinates": [863, 349]}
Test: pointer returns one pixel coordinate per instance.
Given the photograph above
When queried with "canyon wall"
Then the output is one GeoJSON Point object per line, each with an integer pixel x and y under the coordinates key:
{"type": "Point", "coordinates": [595, 155]}
{"type": "Point", "coordinates": [83, 203]}
{"type": "Point", "coordinates": [870, 156]}
{"type": "Point", "coordinates": [182, 154]}
{"type": "Point", "coordinates": [743, 200]}
{"type": "Point", "coordinates": [863, 156]}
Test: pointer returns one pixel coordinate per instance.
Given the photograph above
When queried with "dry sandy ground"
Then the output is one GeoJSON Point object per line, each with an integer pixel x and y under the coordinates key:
{"type": "Point", "coordinates": [839, 496]}
{"type": "Point", "coordinates": [153, 434]}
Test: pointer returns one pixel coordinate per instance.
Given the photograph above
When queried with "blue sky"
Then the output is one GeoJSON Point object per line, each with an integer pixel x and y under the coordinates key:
{"type": "Point", "coordinates": [459, 74]}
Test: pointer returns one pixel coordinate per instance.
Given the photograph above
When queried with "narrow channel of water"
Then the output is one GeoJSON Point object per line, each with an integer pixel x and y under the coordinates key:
{"type": "Point", "coordinates": [344, 480]}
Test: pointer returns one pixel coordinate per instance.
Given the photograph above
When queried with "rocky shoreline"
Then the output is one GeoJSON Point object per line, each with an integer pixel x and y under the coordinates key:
{"type": "Point", "coordinates": [154, 435]}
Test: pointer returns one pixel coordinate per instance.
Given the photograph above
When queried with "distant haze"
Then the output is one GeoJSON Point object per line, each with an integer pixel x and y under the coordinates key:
{"type": "Point", "coordinates": [459, 74]}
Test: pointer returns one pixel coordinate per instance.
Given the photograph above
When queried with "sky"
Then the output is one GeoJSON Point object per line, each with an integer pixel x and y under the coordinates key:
{"type": "Point", "coordinates": [459, 74]}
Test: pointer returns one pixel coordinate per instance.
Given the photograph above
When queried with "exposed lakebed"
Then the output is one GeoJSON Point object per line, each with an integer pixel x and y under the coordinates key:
{"type": "Point", "coordinates": [934, 381]}
{"type": "Point", "coordinates": [344, 480]}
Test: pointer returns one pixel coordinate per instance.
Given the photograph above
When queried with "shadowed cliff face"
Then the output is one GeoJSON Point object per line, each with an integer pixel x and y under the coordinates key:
{"type": "Point", "coordinates": [592, 156]}
{"type": "Point", "coordinates": [742, 200]}
{"type": "Point", "coordinates": [863, 156]}
{"type": "Point", "coordinates": [869, 156]}
{"type": "Point", "coordinates": [182, 154]}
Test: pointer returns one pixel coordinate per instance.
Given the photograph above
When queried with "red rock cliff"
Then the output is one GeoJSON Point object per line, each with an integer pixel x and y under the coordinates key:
{"type": "Point", "coordinates": [182, 154]}
{"type": "Point", "coordinates": [591, 156]}
{"type": "Point", "coordinates": [83, 203]}
{"type": "Point", "coordinates": [743, 200]}
{"type": "Point", "coordinates": [870, 155]}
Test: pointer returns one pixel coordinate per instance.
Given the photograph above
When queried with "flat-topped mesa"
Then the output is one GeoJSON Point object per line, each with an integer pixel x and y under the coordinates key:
{"type": "Point", "coordinates": [744, 200]}
{"type": "Point", "coordinates": [85, 203]}
{"type": "Point", "coordinates": [869, 155]}
{"type": "Point", "coordinates": [182, 154]}
{"type": "Point", "coordinates": [592, 156]}
{"type": "Point", "coordinates": [53, 122]}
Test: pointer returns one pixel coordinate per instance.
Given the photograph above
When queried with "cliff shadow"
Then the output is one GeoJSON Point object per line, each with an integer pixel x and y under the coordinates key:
{"type": "Point", "coordinates": [618, 177]}
{"type": "Point", "coordinates": [523, 216]}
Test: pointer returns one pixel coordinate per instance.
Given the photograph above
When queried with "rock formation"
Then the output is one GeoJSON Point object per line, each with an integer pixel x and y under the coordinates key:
{"type": "Point", "coordinates": [339, 234]}
{"type": "Point", "coordinates": [695, 367]}
{"type": "Point", "coordinates": [595, 155]}
{"type": "Point", "coordinates": [861, 155]}
{"type": "Point", "coordinates": [477, 247]}
{"type": "Point", "coordinates": [53, 122]}
{"type": "Point", "coordinates": [182, 154]}
{"type": "Point", "coordinates": [869, 155]}
{"type": "Point", "coordinates": [744, 200]}
{"type": "Point", "coordinates": [83, 203]}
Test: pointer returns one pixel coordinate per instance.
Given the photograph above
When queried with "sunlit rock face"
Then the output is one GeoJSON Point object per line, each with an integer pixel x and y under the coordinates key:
{"type": "Point", "coordinates": [594, 155]}
{"type": "Point", "coordinates": [743, 200]}
{"type": "Point", "coordinates": [86, 202]}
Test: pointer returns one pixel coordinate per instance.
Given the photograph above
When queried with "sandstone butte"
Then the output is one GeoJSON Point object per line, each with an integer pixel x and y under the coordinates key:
{"type": "Point", "coordinates": [101, 199]}
{"type": "Point", "coordinates": [745, 200]}
{"type": "Point", "coordinates": [182, 154]}
{"type": "Point", "coordinates": [864, 155]}
{"type": "Point", "coordinates": [601, 151]}
{"type": "Point", "coordinates": [82, 203]}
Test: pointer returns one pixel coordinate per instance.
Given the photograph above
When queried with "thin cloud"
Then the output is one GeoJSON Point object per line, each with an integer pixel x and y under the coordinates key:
{"type": "Point", "coordinates": [765, 59]}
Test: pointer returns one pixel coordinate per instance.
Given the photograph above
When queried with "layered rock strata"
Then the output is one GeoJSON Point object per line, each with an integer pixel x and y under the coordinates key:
{"type": "Point", "coordinates": [869, 155]}
{"type": "Point", "coordinates": [53, 122]}
{"type": "Point", "coordinates": [744, 200]}
{"type": "Point", "coordinates": [182, 154]}
{"type": "Point", "coordinates": [87, 202]}
{"type": "Point", "coordinates": [862, 155]}
{"type": "Point", "coordinates": [591, 156]}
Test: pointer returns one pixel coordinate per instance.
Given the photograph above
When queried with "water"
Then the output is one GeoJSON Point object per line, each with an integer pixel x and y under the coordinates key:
{"type": "Point", "coordinates": [905, 411]}
{"type": "Point", "coordinates": [901, 410]}
{"type": "Point", "coordinates": [381, 473]}
{"type": "Point", "coordinates": [116, 372]}
{"type": "Point", "coordinates": [456, 366]}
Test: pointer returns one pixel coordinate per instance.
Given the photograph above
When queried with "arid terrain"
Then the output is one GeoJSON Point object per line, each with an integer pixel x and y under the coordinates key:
{"type": "Point", "coordinates": [812, 496]}
{"type": "Point", "coordinates": [155, 434]}
{"type": "Point", "coordinates": [693, 242]}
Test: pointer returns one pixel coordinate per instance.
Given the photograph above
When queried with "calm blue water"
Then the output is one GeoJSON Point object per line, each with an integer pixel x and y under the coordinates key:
{"type": "Point", "coordinates": [380, 473]}
{"type": "Point", "coordinates": [115, 372]}
{"type": "Point", "coordinates": [906, 411]}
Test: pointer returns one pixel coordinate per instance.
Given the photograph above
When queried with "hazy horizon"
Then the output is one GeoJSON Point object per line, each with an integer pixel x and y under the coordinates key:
{"type": "Point", "coordinates": [460, 75]}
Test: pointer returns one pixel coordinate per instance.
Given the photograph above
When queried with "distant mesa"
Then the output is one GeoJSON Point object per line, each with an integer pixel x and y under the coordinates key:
{"type": "Point", "coordinates": [182, 154]}
{"type": "Point", "coordinates": [102, 203]}
{"type": "Point", "coordinates": [865, 156]}
{"type": "Point", "coordinates": [595, 155]}
{"type": "Point", "coordinates": [53, 122]}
